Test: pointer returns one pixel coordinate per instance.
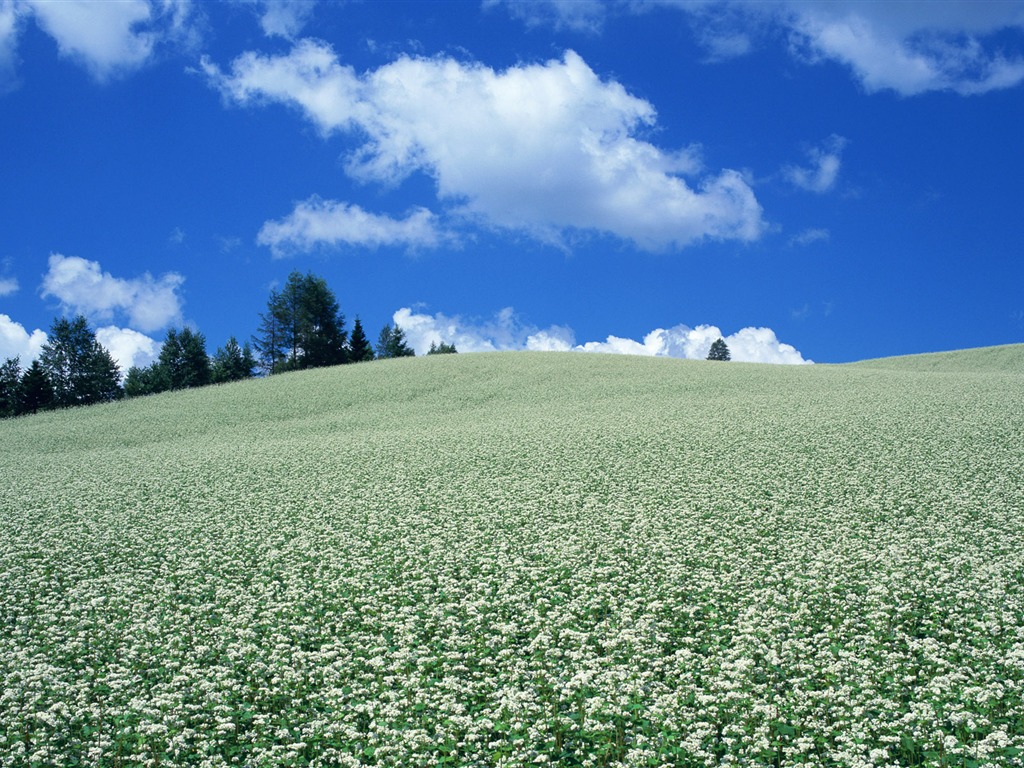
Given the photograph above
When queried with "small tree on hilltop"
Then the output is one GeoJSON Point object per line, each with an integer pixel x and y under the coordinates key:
{"type": "Point", "coordinates": [441, 349]}
{"type": "Point", "coordinates": [391, 343]}
{"type": "Point", "coordinates": [359, 348]}
{"type": "Point", "coordinates": [36, 393]}
{"type": "Point", "coordinates": [719, 351]}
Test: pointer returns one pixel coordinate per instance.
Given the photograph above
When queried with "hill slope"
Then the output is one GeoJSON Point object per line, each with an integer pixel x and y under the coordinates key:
{"type": "Point", "coordinates": [1009, 357]}
{"type": "Point", "coordinates": [491, 559]}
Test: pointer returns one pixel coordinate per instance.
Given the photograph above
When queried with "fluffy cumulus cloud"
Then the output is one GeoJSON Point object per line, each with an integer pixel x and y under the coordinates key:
{"type": "Point", "coordinates": [16, 341]}
{"type": "Point", "coordinates": [316, 222]}
{"type": "Point", "coordinates": [543, 148]}
{"type": "Point", "coordinates": [82, 286]}
{"type": "Point", "coordinates": [128, 347]}
{"type": "Point", "coordinates": [820, 176]}
{"type": "Point", "coordinates": [507, 331]}
{"type": "Point", "coordinates": [107, 38]}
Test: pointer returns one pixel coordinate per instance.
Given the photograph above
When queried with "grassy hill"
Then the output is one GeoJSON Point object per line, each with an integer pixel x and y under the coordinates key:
{"type": "Point", "coordinates": [510, 558]}
{"type": "Point", "coordinates": [1008, 357]}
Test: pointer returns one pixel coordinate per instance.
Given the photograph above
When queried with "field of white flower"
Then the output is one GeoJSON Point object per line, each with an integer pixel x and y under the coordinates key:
{"type": "Point", "coordinates": [522, 558]}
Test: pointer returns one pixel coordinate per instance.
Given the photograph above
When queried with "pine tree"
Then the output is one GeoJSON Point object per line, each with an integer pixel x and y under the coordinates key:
{"type": "Point", "coordinates": [36, 390]}
{"type": "Point", "coordinates": [183, 359]}
{"type": "Point", "coordinates": [79, 369]}
{"type": "Point", "coordinates": [10, 388]}
{"type": "Point", "coordinates": [391, 343]}
{"type": "Point", "coordinates": [719, 351]}
{"type": "Point", "coordinates": [441, 349]}
{"type": "Point", "coordinates": [232, 362]}
{"type": "Point", "coordinates": [302, 328]}
{"type": "Point", "coordinates": [359, 348]}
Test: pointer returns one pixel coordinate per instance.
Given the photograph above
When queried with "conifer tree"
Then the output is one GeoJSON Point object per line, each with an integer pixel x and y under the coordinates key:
{"type": "Point", "coordinates": [719, 351]}
{"type": "Point", "coordinates": [10, 387]}
{"type": "Point", "coordinates": [35, 391]}
{"type": "Point", "coordinates": [359, 348]}
{"type": "Point", "coordinates": [79, 369]}
{"type": "Point", "coordinates": [391, 343]}
{"type": "Point", "coordinates": [232, 362]}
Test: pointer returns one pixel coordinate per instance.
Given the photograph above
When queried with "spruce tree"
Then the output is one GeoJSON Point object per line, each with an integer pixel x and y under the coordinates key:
{"type": "Point", "coordinates": [359, 348]}
{"type": "Point", "coordinates": [183, 360]}
{"type": "Point", "coordinates": [10, 387]}
{"type": "Point", "coordinates": [79, 369]}
{"type": "Point", "coordinates": [391, 342]}
{"type": "Point", "coordinates": [232, 362]}
{"type": "Point", "coordinates": [302, 328]}
{"type": "Point", "coordinates": [719, 351]}
{"type": "Point", "coordinates": [36, 391]}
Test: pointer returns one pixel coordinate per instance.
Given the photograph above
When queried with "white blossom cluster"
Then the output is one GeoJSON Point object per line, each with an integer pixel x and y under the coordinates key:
{"type": "Point", "coordinates": [521, 558]}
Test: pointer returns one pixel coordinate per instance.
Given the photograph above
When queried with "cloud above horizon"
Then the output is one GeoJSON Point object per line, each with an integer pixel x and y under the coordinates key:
{"type": "Point", "coordinates": [315, 222]}
{"type": "Point", "coordinates": [109, 39]}
{"type": "Point", "coordinates": [507, 331]}
{"type": "Point", "coordinates": [16, 341]}
{"type": "Point", "coordinates": [565, 161]}
{"type": "Point", "coordinates": [908, 48]}
{"type": "Point", "coordinates": [82, 286]}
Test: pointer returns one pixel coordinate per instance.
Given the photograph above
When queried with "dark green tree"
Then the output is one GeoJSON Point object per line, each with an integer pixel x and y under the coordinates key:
{"type": "Point", "coordinates": [79, 369]}
{"type": "Point", "coordinates": [183, 359]}
{"type": "Point", "coordinates": [269, 339]}
{"type": "Point", "coordinates": [441, 349]}
{"type": "Point", "coordinates": [10, 387]}
{"type": "Point", "coordinates": [36, 390]}
{"type": "Point", "coordinates": [145, 381]}
{"type": "Point", "coordinates": [303, 327]}
{"type": "Point", "coordinates": [719, 351]}
{"type": "Point", "coordinates": [232, 362]}
{"type": "Point", "coordinates": [359, 348]}
{"type": "Point", "coordinates": [391, 343]}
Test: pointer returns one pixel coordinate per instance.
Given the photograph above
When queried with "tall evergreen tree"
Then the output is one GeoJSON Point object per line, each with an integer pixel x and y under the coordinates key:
{"type": "Point", "coordinates": [391, 342]}
{"type": "Point", "coordinates": [79, 369]}
{"type": "Point", "coordinates": [10, 387]}
{"type": "Point", "coordinates": [359, 348]}
{"type": "Point", "coordinates": [269, 339]}
{"type": "Point", "coordinates": [36, 390]}
{"type": "Point", "coordinates": [232, 362]}
{"type": "Point", "coordinates": [302, 328]}
{"type": "Point", "coordinates": [184, 360]}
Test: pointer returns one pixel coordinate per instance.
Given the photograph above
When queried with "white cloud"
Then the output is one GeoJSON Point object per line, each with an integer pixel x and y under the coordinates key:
{"type": "Point", "coordinates": [81, 286]}
{"type": "Point", "coordinates": [10, 23]}
{"type": "Point", "coordinates": [8, 285]}
{"type": "Point", "coordinates": [285, 18]}
{"type": "Point", "coordinates": [912, 48]}
{"type": "Point", "coordinates": [128, 347]}
{"type": "Point", "coordinates": [15, 341]}
{"type": "Point", "coordinates": [543, 148]}
{"type": "Point", "coordinates": [317, 222]}
{"type": "Point", "coordinates": [808, 236]}
{"type": "Point", "coordinates": [507, 331]}
{"type": "Point", "coordinates": [824, 170]}
{"type": "Point", "coordinates": [107, 38]}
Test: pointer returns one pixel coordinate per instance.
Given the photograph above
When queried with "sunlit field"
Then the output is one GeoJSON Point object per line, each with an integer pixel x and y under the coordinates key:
{"type": "Point", "coordinates": [523, 558]}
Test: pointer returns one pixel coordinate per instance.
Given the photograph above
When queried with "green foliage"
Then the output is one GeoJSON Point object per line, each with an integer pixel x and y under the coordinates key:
{"type": "Point", "coordinates": [391, 343]}
{"type": "Point", "coordinates": [79, 369]}
{"type": "Point", "coordinates": [302, 328]}
{"type": "Point", "coordinates": [517, 559]}
{"type": "Point", "coordinates": [441, 349]}
{"type": "Point", "coordinates": [359, 348]}
{"type": "Point", "coordinates": [35, 392]}
{"type": "Point", "coordinates": [183, 359]}
{"type": "Point", "coordinates": [232, 362]}
{"type": "Point", "coordinates": [146, 381]}
{"type": "Point", "coordinates": [10, 388]}
{"type": "Point", "coordinates": [719, 351]}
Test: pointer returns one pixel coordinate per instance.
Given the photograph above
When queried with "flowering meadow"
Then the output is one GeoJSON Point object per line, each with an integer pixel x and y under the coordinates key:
{"type": "Point", "coordinates": [518, 559]}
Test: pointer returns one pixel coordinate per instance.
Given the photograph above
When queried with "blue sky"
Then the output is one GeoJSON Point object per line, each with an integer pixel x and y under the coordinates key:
{"type": "Point", "coordinates": [826, 182]}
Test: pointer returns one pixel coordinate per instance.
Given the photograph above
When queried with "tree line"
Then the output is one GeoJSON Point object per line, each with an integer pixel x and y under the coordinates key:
{"type": "Point", "coordinates": [303, 327]}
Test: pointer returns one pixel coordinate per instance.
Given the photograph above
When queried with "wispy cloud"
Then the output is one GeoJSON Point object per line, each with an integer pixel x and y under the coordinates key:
{"type": "Point", "coordinates": [82, 286]}
{"type": "Point", "coordinates": [8, 286]}
{"type": "Point", "coordinates": [820, 176]}
{"type": "Point", "coordinates": [549, 149]}
{"type": "Point", "coordinates": [809, 236]}
{"type": "Point", "coordinates": [317, 222]}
